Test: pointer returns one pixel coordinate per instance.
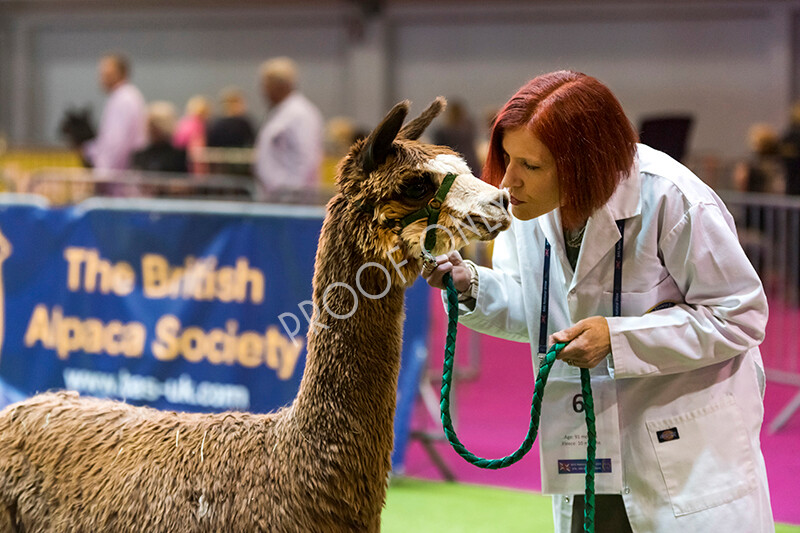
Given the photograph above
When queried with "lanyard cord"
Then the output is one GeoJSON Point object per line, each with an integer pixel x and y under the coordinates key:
{"type": "Point", "coordinates": [541, 380]}
{"type": "Point", "coordinates": [617, 294]}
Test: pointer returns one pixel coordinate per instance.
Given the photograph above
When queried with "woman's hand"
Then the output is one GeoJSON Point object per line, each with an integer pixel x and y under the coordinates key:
{"type": "Point", "coordinates": [452, 263]}
{"type": "Point", "coordinates": [589, 342]}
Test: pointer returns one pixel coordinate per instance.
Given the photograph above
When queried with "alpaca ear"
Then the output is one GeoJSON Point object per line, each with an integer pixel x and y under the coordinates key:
{"type": "Point", "coordinates": [414, 129]}
{"type": "Point", "coordinates": [379, 143]}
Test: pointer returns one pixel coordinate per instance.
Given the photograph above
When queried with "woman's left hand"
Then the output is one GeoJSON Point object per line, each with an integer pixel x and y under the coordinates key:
{"type": "Point", "coordinates": [589, 342]}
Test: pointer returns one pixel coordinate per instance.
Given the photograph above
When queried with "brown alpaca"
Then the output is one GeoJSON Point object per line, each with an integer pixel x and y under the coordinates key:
{"type": "Point", "coordinates": [74, 464]}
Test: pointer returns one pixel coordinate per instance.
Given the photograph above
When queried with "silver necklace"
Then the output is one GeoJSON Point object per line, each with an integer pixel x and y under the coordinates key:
{"type": "Point", "coordinates": [574, 239]}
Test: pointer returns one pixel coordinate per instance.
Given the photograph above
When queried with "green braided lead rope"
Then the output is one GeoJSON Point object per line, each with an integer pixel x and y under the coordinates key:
{"type": "Point", "coordinates": [591, 448]}
{"type": "Point", "coordinates": [536, 404]}
{"type": "Point", "coordinates": [447, 375]}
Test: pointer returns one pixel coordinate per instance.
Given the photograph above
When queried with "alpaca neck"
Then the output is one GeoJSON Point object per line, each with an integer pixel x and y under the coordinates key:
{"type": "Point", "coordinates": [350, 380]}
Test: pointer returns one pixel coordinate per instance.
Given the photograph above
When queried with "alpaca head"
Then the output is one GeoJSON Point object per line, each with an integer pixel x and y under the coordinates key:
{"type": "Point", "coordinates": [391, 174]}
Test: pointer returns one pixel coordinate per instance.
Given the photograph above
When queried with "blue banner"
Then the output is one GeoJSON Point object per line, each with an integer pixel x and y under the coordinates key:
{"type": "Point", "coordinates": [175, 305]}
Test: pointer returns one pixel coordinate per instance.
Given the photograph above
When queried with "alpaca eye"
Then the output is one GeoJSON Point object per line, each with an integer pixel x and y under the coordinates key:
{"type": "Point", "coordinates": [416, 190]}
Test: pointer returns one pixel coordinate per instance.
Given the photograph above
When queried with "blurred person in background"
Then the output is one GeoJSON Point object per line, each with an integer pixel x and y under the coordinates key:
{"type": "Point", "coordinates": [233, 129]}
{"type": "Point", "coordinates": [482, 146]}
{"type": "Point", "coordinates": [458, 132]}
{"type": "Point", "coordinates": [123, 124]}
{"type": "Point", "coordinates": [340, 134]}
{"type": "Point", "coordinates": [289, 146]}
{"type": "Point", "coordinates": [790, 150]}
{"type": "Point", "coordinates": [161, 155]}
{"type": "Point", "coordinates": [763, 171]}
{"type": "Point", "coordinates": [190, 133]}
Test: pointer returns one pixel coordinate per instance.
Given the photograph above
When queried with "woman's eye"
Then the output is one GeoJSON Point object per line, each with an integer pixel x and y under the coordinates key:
{"type": "Point", "coordinates": [529, 166]}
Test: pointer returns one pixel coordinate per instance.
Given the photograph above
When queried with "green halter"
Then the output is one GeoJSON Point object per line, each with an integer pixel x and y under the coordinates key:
{"type": "Point", "coordinates": [430, 211]}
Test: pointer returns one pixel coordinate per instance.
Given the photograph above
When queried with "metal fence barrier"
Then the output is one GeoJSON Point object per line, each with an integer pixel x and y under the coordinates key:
{"type": "Point", "coordinates": [73, 185]}
{"type": "Point", "coordinates": [769, 231]}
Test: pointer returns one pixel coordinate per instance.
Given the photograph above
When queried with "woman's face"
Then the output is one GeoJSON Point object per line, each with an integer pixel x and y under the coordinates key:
{"type": "Point", "coordinates": [530, 175]}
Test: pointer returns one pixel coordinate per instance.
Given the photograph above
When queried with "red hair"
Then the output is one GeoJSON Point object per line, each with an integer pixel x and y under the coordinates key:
{"type": "Point", "coordinates": [583, 125]}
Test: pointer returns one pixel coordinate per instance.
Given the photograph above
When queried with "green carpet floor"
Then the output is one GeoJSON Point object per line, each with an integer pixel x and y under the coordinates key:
{"type": "Point", "coordinates": [428, 507]}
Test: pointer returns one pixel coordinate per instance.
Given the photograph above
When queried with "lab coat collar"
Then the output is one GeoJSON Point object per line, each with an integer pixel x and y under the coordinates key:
{"type": "Point", "coordinates": [601, 230]}
{"type": "Point", "coordinates": [626, 202]}
{"type": "Point", "coordinates": [550, 223]}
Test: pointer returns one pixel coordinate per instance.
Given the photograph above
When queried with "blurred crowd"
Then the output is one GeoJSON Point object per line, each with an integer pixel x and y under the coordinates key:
{"type": "Point", "coordinates": [291, 153]}
{"type": "Point", "coordinates": [152, 137]}
{"type": "Point", "coordinates": [773, 165]}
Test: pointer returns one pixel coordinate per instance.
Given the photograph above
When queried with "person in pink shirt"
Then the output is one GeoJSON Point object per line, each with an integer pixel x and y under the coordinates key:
{"type": "Point", "coordinates": [123, 124]}
{"type": "Point", "coordinates": [190, 133]}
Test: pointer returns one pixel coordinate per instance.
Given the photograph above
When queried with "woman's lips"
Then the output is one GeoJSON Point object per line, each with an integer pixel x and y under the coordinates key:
{"type": "Point", "coordinates": [515, 201]}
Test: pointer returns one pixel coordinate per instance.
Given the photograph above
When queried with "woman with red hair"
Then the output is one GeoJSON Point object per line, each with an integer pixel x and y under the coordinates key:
{"type": "Point", "coordinates": [620, 251]}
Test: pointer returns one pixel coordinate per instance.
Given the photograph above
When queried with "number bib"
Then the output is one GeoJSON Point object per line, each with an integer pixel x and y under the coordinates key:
{"type": "Point", "coordinates": [563, 436]}
{"type": "Point", "coordinates": [562, 430]}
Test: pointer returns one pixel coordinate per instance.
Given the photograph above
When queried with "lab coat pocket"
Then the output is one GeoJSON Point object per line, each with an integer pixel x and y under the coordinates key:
{"type": "Point", "coordinates": [704, 456]}
{"type": "Point", "coordinates": [664, 294]}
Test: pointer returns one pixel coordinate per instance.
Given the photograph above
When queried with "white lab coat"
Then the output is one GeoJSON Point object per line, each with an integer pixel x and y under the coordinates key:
{"type": "Point", "coordinates": [695, 366]}
{"type": "Point", "coordinates": [289, 146]}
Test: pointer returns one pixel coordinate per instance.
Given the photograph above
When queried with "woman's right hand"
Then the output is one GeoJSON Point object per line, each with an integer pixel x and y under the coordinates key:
{"type": "Point", "coordinates": [452, 263]}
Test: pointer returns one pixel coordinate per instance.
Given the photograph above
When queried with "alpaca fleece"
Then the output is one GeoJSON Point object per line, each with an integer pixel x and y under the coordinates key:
{"type": "Point", "coordinates": [79, 464]}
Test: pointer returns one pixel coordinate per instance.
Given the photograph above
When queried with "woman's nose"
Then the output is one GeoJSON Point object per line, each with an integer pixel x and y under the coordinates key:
{"type": "Point", "coordinates": [510, 179]}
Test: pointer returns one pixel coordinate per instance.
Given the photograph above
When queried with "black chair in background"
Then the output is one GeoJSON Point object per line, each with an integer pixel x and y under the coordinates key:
{"type": "Point", "coordinates": [668, 133]}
